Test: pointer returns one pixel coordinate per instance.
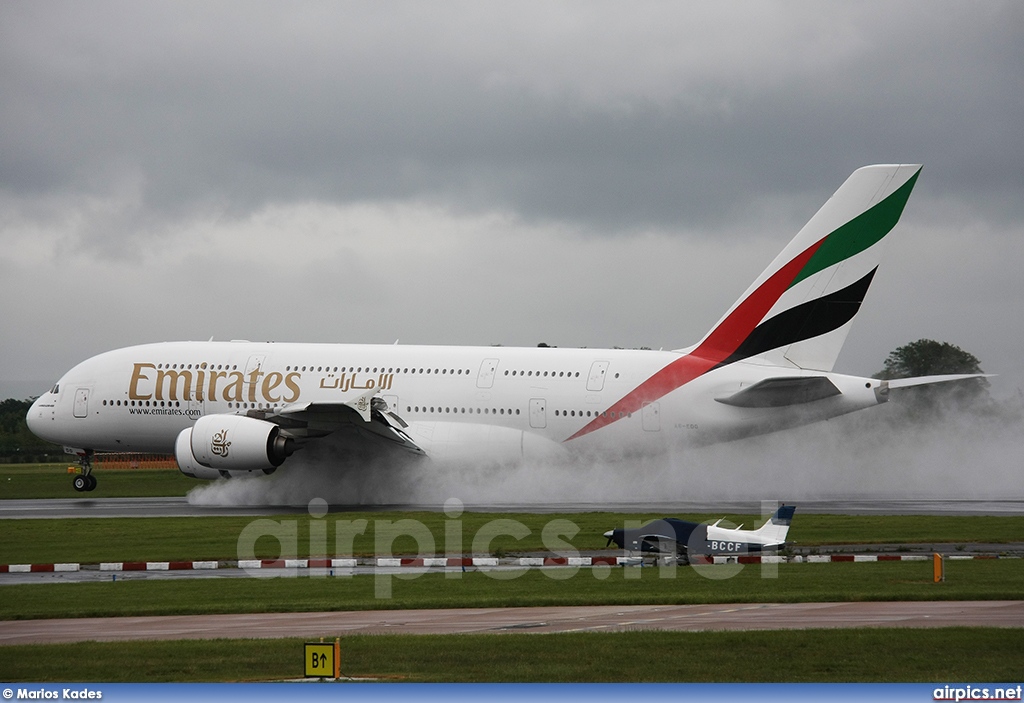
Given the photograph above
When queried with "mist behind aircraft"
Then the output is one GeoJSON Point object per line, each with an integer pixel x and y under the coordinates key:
{"type": "Point", "coordinates": [878, 456]}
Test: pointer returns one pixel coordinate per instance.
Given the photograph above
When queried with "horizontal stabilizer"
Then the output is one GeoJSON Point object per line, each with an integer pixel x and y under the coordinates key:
{"type": "Point", "coordinates": [782, 391]}
{"type": "Point", "coordinates": [928, 380]}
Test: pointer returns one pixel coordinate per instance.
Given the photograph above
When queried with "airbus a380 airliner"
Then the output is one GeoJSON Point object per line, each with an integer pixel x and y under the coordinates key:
{"type": "Point", "coordinates": [238, 408]}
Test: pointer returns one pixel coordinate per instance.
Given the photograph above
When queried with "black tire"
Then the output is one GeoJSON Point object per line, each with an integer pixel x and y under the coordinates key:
{"type": "Point", "coordinates": [92, 483]}
{"type": "Point", "coordinates": [81, 483]}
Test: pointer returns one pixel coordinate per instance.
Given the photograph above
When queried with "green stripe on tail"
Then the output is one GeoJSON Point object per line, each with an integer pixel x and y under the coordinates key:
{"type": "Point", "coordinates": [859, 233]}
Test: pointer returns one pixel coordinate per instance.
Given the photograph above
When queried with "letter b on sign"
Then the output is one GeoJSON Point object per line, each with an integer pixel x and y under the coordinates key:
{"type": "Point", "coordinates": [320, 660]}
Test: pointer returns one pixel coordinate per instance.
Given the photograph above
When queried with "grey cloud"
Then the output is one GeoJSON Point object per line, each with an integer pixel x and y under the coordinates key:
{"type": "Point", "coordinates": [721, 126]}
{"type": "Point", "coordinates": [232, 106]}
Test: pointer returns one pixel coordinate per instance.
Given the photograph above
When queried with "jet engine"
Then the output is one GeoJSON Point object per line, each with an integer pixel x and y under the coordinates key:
{"type": "Point", "coordinates": [221, 445]}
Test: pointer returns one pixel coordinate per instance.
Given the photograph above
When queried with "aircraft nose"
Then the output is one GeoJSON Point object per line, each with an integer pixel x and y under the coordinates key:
{"type": "Point", "coordinates": [32, 418]}
{"type": "Point", "coordinates": [38, 415]}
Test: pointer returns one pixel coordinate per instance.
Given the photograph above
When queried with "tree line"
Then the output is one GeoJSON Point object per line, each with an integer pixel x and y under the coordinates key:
{"type": "Point", "coordinates": [17, 443]}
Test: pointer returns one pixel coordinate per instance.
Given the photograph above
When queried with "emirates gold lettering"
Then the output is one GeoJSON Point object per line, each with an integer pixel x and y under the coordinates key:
{"type": "Point", "coordinates": [137, 376]}
{"type": "Point", "coordinates": [150, 383]}
{"type": "Point", "coordinates": [220, 443]}
{"type": "Point", "coordinates": [214, 377]}
{"type": "Point", "coordinates": [254, 377]}
{"type": "Point", "coordinates": [172, 381]}
{"type": "Point", "coordinates": [271, 381]}
{"type": "Point", "coordinates": [233, 393]}
{"type": "Point", "coordinates": [291, 380]}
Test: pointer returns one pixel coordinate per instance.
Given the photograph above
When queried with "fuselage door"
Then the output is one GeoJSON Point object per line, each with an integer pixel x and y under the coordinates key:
{"type": "Point", "coordinates": [82, 402]}
{"type": "Point", "coordinates": [485, 379]}
{"type": "Point", "coordinates": [253, 366]}
{"type": "Point", "coordinates": [255, 363]}
{"type": "Point", "coordinates": [598, 370]}
{"type": "Point", "coordinates": [651, 416]}
{"type": "Point", "coordinates": [538, 413]}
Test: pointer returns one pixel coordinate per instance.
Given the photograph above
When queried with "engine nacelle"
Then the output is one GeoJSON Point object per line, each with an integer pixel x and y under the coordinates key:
{"type": "Point", "coordinates": [219, 445]}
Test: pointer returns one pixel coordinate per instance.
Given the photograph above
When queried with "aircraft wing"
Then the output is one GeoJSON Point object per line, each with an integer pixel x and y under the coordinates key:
{"type": "Point", "coordinates": [220, 445]}
{"type": "Point", "coordinates": [371, 419]}
{"type": "Point", "coordinates": [782, 391]}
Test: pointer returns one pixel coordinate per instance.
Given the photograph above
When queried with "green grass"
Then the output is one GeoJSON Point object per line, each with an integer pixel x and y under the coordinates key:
{"type": "Point", "coordinates": [41, 481]}
{"type": "Point", "coordinates": [965, 580]}
{"type": "Point", "coordinates": [879, 655]}
{"type": "Point", "coordinates": [884, 655]}
{"type": "Point", "coordinates": [92, 540]}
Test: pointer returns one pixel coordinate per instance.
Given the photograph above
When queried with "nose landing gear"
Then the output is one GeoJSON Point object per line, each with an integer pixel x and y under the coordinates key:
{"type": "Point", "coordinates": [84, 481]}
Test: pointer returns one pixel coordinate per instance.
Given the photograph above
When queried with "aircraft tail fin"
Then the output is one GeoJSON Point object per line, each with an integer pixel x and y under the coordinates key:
{"type": "Point", "coordinates": [798, 312]}
{"type": "Point", "coordinates": [774, 531]}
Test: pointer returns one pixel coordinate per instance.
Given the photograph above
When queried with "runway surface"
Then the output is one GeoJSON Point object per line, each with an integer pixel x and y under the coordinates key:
{"type": "Point", "coordinates": [180, 507]}
{"type": "Point", "coordinates": [760, 616]}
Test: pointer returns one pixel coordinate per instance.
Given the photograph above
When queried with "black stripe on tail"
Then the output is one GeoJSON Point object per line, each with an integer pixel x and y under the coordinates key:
{"type": "Point", "coordinates": [806, 321]}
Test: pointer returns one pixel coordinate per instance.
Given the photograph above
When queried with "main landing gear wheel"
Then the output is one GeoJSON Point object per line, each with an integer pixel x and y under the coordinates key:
{"type": "Point", "coordinates": [84, 482]}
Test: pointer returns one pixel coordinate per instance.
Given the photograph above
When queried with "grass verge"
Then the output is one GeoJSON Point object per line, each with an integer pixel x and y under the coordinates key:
{"type": "Point", "coordinates": [42, 481]}
{"type": "Point", "coordinates": [878, 655]}
{"type": "Point", "coordinates": [965, 580]}
{"type": "Point", "coordinates": [92, 540]}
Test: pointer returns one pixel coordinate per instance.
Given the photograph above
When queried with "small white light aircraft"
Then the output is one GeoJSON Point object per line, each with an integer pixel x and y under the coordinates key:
{"type": "Point", "coordinates": [688, 539]}
{"type": "Point", "coordinates": [238, 408]}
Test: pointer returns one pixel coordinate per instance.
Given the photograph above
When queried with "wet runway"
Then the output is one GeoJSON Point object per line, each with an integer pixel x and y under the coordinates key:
{"type": "Point", "coordinates": [180, 507]}
{"type": "Point", "coordinates": [760, 616]}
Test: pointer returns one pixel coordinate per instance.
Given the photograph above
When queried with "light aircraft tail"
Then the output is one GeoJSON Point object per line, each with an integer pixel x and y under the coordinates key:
{"type": "Point", "coordinates": [774, 531]}
{"type": "Point", "coordinates": [799, 310]}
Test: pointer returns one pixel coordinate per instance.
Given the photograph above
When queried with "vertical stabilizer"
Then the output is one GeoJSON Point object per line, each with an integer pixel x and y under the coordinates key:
{"type": "Point", "coordinates": [799, 310]}
{"type": "Point", "coordinates": [775, 530]}
{"type": "Point", "coordinates": [797, 313]}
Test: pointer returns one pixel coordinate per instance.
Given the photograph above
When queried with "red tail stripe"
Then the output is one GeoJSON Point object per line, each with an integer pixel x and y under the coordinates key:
{"type": "Point", "coordinates": [728, 336]}
{"type": "Point", "coordinates": [717, 347]}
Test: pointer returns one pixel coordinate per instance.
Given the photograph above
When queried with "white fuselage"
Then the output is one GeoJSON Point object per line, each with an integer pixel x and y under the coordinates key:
{"type": "Point", "coordinates": [236, 407]}
{"type": "Point", "coordinates": [138, 399]}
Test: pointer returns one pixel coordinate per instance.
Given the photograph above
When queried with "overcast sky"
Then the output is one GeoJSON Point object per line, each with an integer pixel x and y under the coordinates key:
{"type": "Point", "coordinates": [582, 174]}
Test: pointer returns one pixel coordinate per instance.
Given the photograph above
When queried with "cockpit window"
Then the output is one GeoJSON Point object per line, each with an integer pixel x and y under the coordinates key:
{"type": "Point", "coordinates": [56, 389]}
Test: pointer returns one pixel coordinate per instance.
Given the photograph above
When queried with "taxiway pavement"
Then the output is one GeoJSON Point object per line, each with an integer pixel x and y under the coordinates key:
{"type": "Point", "coordinates": [613, 618]}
